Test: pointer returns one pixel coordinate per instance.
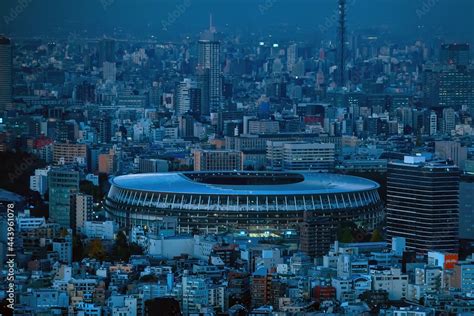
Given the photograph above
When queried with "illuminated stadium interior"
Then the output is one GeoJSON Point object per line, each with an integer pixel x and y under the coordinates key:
{"type": "Point", "coordinates": [255, 203]}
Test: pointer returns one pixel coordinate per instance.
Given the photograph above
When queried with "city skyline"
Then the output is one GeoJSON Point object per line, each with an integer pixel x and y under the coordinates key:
{"type": "Point", "coordinates": [236, 158]}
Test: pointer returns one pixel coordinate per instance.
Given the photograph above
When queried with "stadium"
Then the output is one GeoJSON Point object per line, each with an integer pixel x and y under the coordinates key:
{"type": "Point", "coordinates": [246, 203]}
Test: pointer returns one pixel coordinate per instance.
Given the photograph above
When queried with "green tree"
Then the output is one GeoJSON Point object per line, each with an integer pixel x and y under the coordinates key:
{"type": "Point", "coordinates": [87, 187]}
{"type": "Point", "coordinates": [77, 248]}
{"type": "Point", "coordinates": [123, 249]}
{"type": "Point", "coordinates": [96, 250]}
{"type": "Point", "coordinates": [376, 236]}
{"type": "Point", "coordinates": [346, 235]}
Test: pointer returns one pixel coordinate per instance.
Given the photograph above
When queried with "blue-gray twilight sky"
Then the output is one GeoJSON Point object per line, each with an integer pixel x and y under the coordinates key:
{"type": "Point", "coordinates": [451, 19]}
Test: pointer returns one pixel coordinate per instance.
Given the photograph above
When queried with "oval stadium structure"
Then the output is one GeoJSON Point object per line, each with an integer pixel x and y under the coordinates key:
{"type": "Point", "coordinates": [247, 203]}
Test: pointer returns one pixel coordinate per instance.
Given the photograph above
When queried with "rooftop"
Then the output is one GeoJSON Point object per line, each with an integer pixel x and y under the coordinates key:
{"type": "Point", "coordinates": [244, 183]}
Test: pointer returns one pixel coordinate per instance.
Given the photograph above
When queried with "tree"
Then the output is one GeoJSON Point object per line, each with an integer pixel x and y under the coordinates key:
{"type": "Point", "coordinates": [149, 278]}
{"type": "Point", "coordinates": [344, 231]}
{"type": "Point", "coordinates": [77, 248]}
{"type": "Point", "coordinates": [87, 187]}
{"type": "Point", "coordinates": [376, 236]}
{"type": "Point", "coordinates": [96, 250]}
{"type": "Point", "coordinates": [123, 249]}
{"type": "Point", "coordinates": [346, 235]}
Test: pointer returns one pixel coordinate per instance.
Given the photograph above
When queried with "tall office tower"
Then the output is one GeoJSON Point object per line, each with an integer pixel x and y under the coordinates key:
{"type": "Point", "coordinates": [186, 126]}
{"type": "Point", "coordinates": [454, 54]}
{"type": "Point", "coordinates": [81, 210]}
{"type": "Point", "coordinates": [449, 120]}
{"type": "Point", "coordinates": [456, 88]}
{"type": "Point", "coordinates": [423, 204]}
{"type": "Point", "coordinates": [195, 101]}
{"type": "Point", "coordinates": [183, 96]}
{"type": "Point", "coordinates": [430, 81]}
{"type": "Point", "coordinates": [108, 163]}
{"type": "Point", "coordinates": [104, 130]}
{"type": "Point", "coordinates": [109, 71]}
{"type": "Point", "coordinates": [209, 74]}
{"type": "Point", "coordinates": [106, 51]}
{"type": "Point", "coordinates": [5, 73]}
{"type": "Point", "coordinates": [291, 57]}
{"type": "Point", "coordinates": [155, 94]}
{"type": "Point", "coordinates": [433, 121]}
{"type": "Point", "coordinates": [341, 47]}
{"type": "Point", "coordinates": [466, 205]}
{"type": "Point", "coordinates": [62, 183]}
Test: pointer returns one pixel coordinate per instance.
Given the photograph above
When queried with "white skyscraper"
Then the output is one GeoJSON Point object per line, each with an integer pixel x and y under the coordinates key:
{"type": "Point", "coordinates": [183, 96]}
{"type": "Point", "coordinates": [433, 123]}
{"type": "Point", "coordinates": [291, 57]}
{"type": "Point", "coordinates": [449, 120]}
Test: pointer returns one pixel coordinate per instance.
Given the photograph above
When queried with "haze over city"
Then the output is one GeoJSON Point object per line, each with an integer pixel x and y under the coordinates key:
{"type": "Point", "coordinates": [236, 157]}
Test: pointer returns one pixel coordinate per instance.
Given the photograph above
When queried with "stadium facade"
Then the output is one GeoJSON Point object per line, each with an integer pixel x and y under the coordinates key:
{"type": "Point", "coordinates": [248, 203]}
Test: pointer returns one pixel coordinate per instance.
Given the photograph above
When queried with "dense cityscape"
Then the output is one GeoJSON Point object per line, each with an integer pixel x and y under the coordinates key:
{"type": "Point", "coordinates": [223, 170]}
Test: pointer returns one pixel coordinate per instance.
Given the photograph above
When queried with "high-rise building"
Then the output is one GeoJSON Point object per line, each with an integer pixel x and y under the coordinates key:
{"type": "Point", "coordinates": [423, 204]}
{"type": "Point", "coordinates": [109, 71]}
{"type": "Point", "coordinates": [104, 130]}
{"type": "Point", "coordinates": [81, 210]}
{"type": "Point", "coordinates": [433, 121]}
{"type": "Point", "coordinates": [186, 126]}
{"type": "Point", "coordinates": [217, 160]}
{"type": "Point", "coordinates": [451, 150]}
{"type": "Point", "coordinates": [39, 181]}
{"type": "Point", "coordinates": [449, 120]}
{"type": "Point", "coordinates": [291, 57]}
{"type": "Point", "coordinates": [454, 54]}
{"type": "Point", "coordinates": [5, 73]}
{"type": "Point", "coordinates": [106, 51]}
{"type": "Point", "coordinates": [195, 101]}
{"type": "Point", "coordinates": [108, 162]}
{"type": "Point", "coordinates": [209, 74]}
{"type": "Point", "coordinates": [62, 183]}
{"type": "Point", "coordinates": [341, 43]}
{"type": "Point", "coordinates": [456, 88]}
{"type": "Point", "coordinates": [466, 205]}
{"type": "Point", "coordinates": [184, 96]}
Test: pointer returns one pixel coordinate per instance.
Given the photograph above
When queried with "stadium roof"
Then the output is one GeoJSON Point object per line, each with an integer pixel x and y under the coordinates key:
{"type": "Point", "coordinates": [193, 183]}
